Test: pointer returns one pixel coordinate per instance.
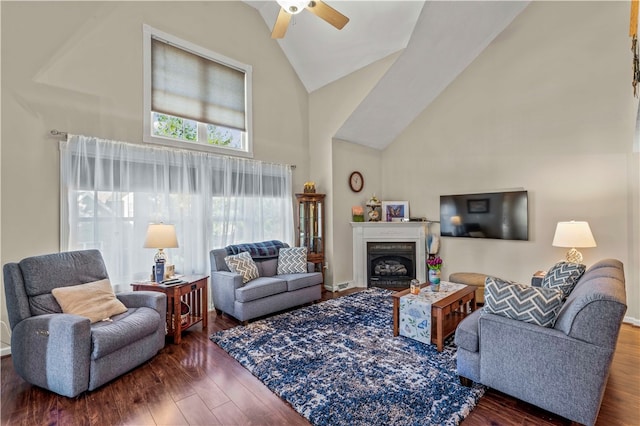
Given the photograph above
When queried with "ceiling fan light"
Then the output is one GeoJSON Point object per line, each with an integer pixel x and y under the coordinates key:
{"type": "Point", "coordinates": [293, 6]}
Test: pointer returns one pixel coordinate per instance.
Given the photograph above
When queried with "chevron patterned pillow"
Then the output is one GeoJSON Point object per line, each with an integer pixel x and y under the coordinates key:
{"type": "Point", "coordinates": [520, 302]}
{"type": "Point", "coordinates": [243, 264]}
{"type": "Point", "coordinates": [563, 276]}
{"type": "Point", "coordinates": [292, 260]}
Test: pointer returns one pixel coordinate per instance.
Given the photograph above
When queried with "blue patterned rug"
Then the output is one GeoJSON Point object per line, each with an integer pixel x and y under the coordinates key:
{"type": "Point", "coordinates": [337, 363]}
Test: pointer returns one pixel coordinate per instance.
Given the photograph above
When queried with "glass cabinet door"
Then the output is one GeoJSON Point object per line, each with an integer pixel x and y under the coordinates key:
{"type": "Point", "coordinates": [310, 226]}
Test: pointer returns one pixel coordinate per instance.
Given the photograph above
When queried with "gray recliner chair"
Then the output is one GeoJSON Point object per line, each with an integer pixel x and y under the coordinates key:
{"type": "Point", "coordinates": [65, 353]}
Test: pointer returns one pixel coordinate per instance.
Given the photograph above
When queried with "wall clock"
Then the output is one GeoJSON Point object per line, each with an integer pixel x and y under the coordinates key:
{"type": "Point", "coordinates": [356, 181]}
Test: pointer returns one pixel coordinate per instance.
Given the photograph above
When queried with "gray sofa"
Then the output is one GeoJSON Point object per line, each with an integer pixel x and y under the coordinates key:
{"type": "Point", "coordinates": [266, 294]}
{"type": "Point", "coordinates": [562, 369]}
{"type": "Point", "coordinates": [65, 353]}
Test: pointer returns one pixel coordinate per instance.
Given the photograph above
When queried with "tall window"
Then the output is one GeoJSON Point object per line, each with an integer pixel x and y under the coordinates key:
{"type": "Point", "coordinates": [195, 98]}
{"type": "Point", "coordinates": [111, 191]}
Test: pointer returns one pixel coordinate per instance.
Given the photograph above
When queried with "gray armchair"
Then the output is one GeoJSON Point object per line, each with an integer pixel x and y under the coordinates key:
{"type": "Point", "coordinates": [65, 353]}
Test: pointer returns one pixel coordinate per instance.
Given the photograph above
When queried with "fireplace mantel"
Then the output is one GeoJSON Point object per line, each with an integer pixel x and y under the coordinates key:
{"type": "Point", "coordinates": [364, 232]}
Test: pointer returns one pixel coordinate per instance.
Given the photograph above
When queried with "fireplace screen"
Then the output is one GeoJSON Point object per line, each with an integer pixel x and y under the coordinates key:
{"type": "Point", "coordinates": [391, 264]}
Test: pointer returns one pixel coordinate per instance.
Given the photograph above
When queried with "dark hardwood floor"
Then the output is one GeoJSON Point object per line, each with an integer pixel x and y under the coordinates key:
{"type": "Point", "coordinates": [197, 383]}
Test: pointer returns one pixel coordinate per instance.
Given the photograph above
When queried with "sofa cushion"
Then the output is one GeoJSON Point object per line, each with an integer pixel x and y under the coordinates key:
{"type": "Point", "coordinates": [259, 288]}
{"type": "Point", "coordinates": [131, 326]}
{"type": "Point", "coordinates": [244, 265]}
{"type": "Point", "coordinates": [563, 276]}
{"type": "Point", "coordinates": [267, 267]}
{"type": "Point", "coordinates": [520, 302]}
{"type": "Point", "coordinates": [94, 300]}
{"type": "Point", "coordinates": [292, 260]}
{"type": "Point", "coordinates": [298, 281]}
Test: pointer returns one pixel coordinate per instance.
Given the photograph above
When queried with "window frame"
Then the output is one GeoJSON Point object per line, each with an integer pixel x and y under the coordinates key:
{"type": "Point", "coordinates": [149, 137]}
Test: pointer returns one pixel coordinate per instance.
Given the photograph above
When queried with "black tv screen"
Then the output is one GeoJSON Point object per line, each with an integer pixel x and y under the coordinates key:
{"type": "Point", "coordinates": [499, 215]}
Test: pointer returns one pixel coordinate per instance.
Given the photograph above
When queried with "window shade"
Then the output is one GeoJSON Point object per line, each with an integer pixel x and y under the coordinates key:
{"type": "Point", "coordinates": [190, 86]}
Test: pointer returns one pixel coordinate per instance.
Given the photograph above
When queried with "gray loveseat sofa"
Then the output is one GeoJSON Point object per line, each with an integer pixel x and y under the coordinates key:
{"type": "Point", "coordinates": [562, 369]}
{"type": "Point", "coordinates": [266, 294]}
{"type": "Point", "coordinates": [66, 353]}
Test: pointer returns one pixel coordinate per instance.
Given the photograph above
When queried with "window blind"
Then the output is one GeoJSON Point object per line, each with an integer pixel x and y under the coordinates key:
{"type": "Point", "coordinates": [190, 86]}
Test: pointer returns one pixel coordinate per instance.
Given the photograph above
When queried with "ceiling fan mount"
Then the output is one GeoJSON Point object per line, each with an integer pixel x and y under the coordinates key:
{"type": "Point", "coordinates": [319, 8]}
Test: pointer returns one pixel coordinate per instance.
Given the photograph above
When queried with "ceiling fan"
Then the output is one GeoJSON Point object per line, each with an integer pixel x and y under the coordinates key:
{"type": "Point", "coordinates": [319, 8]}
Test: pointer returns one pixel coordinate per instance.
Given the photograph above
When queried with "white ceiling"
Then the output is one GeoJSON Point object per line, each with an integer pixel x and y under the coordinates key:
{"type": "Point", "coordinates": [440, 39]}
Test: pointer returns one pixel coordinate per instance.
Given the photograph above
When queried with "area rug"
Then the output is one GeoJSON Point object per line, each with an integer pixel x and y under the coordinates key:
{"type": "Point", "coordinates": [337, 363]}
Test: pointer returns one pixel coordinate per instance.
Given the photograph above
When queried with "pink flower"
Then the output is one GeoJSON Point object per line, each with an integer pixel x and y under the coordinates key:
{"type": "Point", "coordinates": [434, 262]}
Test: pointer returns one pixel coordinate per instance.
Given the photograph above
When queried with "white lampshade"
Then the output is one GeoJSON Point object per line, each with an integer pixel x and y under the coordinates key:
{"type": "Point", "coordinates": [293, 6]}
{"type": "Point", "coordinates": [161, 236]}
{"type": "Point", "coordinates": [573, 234]}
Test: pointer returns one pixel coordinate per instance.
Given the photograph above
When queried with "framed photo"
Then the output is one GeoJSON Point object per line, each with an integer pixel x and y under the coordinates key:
{"type": "Point", "coordinates": [395, 211]}
{"type": "Point", "coordinates": [478, 206]}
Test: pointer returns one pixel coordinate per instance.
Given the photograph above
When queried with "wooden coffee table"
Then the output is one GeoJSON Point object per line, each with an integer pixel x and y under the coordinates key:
{"type": "Point", "coordinates": [446, 313]}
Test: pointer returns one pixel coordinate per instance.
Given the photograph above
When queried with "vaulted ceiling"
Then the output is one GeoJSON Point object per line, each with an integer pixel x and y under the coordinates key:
{"type": "Point", "coordinates": [438, 40]}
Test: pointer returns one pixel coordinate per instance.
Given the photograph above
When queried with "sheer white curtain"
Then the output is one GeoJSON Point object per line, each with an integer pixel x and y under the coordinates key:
{"type": "Point", "coordinates": [112, 190]}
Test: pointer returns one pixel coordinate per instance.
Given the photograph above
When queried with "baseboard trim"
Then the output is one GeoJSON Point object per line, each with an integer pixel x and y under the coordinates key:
{"type": "Point", "coordinates": [632, 321]}
{"type": "Point", "coordinates": [5, 351]}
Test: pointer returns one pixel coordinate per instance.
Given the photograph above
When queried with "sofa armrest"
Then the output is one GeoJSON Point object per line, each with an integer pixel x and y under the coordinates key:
{"type": "Point", "coordinates": [53, 351]}
{"type": "Point", "coordinates": [543, 366]}
{"type": "Point", "coordinates": [223, 289]}
{"type": "Point", "coordinates": [149, 299]}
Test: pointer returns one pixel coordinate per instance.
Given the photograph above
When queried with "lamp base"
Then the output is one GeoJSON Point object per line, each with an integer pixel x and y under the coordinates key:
{"type": "Point", "coordinates": [160, 256]}
{"type": "Point", "coordinates": [574, 256]}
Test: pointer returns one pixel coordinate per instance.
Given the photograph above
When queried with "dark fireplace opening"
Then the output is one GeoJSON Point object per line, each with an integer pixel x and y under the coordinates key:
{"type": "Point", "coordinates": [391, 264]}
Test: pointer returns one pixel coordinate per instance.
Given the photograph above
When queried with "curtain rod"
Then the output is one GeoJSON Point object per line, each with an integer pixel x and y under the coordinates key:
{"type": "Point", "coordinates": [55, 132]}
{"type": "Point", "coordinates": [65, 135]}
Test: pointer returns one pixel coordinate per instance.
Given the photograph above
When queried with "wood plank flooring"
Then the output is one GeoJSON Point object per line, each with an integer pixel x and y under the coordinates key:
{"type": "Point", "coordinates": [197, 383]}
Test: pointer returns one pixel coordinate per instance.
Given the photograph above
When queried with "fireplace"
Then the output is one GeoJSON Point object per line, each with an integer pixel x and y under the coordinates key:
{"type": "Point", "coordinates": [391, 264]}
{"type": "Point", "coordinates": [396, 246]}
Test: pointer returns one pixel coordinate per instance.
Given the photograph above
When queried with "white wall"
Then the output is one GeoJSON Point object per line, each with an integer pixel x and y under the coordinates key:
{"type": "Point", "coordinates": [77, 67]}
{"type": "Point", "coordinates": [330, 166]}
{"type": "Point", "coordinates": [547, 107]}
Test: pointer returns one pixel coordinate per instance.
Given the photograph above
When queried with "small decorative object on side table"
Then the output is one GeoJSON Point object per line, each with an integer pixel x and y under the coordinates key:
{"type": "Point", "coordinates": [189, 290]}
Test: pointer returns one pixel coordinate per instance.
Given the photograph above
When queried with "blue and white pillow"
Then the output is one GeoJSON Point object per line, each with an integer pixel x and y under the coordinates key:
{"type": "Point", "coordinates": [563, 276]}
{"type": "Point", "coordinates": [243, 264]}
{"type": "Point", "coordinates": [535, 305]}
{"type": "Point", "coordinates": [292, 260]}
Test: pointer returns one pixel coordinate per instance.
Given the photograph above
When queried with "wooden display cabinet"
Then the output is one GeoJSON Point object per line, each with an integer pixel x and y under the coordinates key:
{"type": "Point", "coordinates": [310, 227]}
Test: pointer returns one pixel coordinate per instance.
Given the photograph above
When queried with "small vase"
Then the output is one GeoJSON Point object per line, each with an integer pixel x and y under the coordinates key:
{"type": "Point", "coordinates": [434, 276]}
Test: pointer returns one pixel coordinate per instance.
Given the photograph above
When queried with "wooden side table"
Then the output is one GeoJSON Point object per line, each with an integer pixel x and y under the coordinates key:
{"type": "Point", "coordinates": [446, 313]}
{"type": "Point", "coordinates": [193, 293]}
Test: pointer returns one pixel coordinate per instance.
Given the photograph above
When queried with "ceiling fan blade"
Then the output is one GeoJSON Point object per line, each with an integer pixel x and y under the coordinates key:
{"type": "Point", "coordinates": [329, 14]}
{"type": "Point", "coordinates": [280, 27]}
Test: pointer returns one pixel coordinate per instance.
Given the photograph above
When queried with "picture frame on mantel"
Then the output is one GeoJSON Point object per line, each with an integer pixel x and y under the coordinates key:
{"type": "Point", "coordinates": [395, 211]}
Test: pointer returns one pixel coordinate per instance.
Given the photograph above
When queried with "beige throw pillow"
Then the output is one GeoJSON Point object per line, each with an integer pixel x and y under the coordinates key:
{"type": "Point", "coordinates": [95, 300]}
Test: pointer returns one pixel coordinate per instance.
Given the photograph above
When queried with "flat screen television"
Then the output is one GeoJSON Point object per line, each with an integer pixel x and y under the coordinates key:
{"type": "Point", "coordinates": [499, 215]}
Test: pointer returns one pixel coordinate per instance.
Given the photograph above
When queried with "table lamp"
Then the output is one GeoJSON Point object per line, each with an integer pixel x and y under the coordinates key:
{"type": "Point", "coordinates": [161, 236]}
{"type": "Point", "coordinates": [573, 234]}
